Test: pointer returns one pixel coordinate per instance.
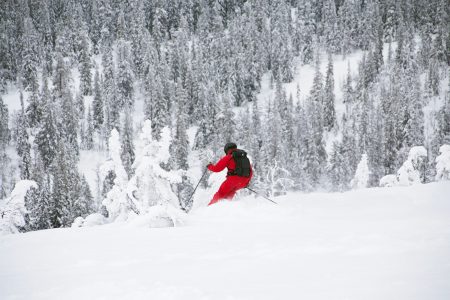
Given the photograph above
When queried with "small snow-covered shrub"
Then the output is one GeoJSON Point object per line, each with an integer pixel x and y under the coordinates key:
{"type": "Point", "coordinates": [388, 181]}
{"type": "Point", "coordinates": [411, 172]}
{"type": "Point", "coordinates": [13, 210]}
{"type": "Point", "coordinates": [443, 163]}
{"type": "Point", "coordinates": [361, 179]}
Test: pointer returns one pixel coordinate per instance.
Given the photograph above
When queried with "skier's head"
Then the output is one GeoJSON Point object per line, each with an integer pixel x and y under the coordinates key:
{"type": "Point", "coordinates": [229, 146]}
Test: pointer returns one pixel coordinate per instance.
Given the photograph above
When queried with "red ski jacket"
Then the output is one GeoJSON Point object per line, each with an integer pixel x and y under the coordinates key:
{"type": "Point", "coordinates": [226, 162]}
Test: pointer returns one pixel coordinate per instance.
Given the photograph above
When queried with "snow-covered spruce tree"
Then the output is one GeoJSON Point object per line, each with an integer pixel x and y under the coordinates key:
{"type": "Point", "coordinates": [339, 168]}
{"type": "Point", "coordinates": [316, 156]}
{"type": "Point", "coordinates": [226, 118]}
{"type": "Point", "coordinates": [343, 158]}
{"type": "Point", "coordinates": [255, 141]}
{"type": "Point", "coordinates": [179, 150]}
{"type": "Point", "coordinates": [348, 24]}
{"type": "Point", "coordinates": [85, 66]}
{"type": "Point", "coordinates": [98, 102]}
{"type": "Point", "coordinates": [125, 75]}
{"type": "Point", "coordinates": [150, 184]}
{"type": "Point", "coordinates": [306, 29]}
{"type": "Point", "coordinates": [285, 109]}
{"type": "Point", "coordinates": [110, 95]}
{"type": "Point", "coordinates": [13, 210]}
{"type": "Point", "coordinates": [65, 202]}
{"type": "Point", "coordinates": [443, 163]}
{"type": "Point", "coordinates": [280, 45]}
{"type": "Point", "coordinates": [271, 146]}
{"type": "Point", "coordinates": [87, 136]}
{"type": "Point", "coordinates": [67, 121]}
{"type": "Point", "coordinates": [330, 26]}
{"type": "Point", "coordinates": [413, 169]}
{"type": "Point", "coordinates": [207, 130]}
{"type": "Point", "coordinates": [300, 142]}
{"type": "Point", "coordinates": [46, 136]}
{"type": "Point", "coordinates": [37, 203]}
{"type": "Point", "coordinates": [34, 108]}
{"type": "Point", "coordinates": [118, 205]}
{"type": "Point", "coordinates": [127, 147]}
{"type": "Point", "coordinates": [23, 146]}
{"type": "Point", "coordinates": [157, 109]}
{"type": "Point", "coordinates": [329, 113]}
{"type": "Point", "coordinates": [30, 54]}
{"type": "Point", "coordinates": [361, 178]}
{"type": "Point", "coordinates": [4, 141]}
{"type": "Point", "coordinates": [179, 147]}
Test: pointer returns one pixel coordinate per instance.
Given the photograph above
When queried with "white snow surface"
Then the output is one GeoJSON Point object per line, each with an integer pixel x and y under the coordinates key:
{"type": "Point", "coordinates": [377, 243]}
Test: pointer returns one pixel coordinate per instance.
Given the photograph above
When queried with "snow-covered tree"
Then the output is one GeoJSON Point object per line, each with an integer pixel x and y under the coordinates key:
{"type": "Point", "coordinates": [127, 147]}
{"type": "Point", "coordinates": [329, 113]}
{"type": "Point", "coordinates": [151, 185]}
{"type": "Point", "coordinates": [443, 163]}
{"type": "Point", "coordinates": [117, 203]}
{"type": "Point", "coordinates": [13, 210]}
{"type": "Point", "coordinates": [97, 104]}
{"type": "Point", "coordinates": [361, 178]}
{"type": "Point", "coordinates": [412, 170]}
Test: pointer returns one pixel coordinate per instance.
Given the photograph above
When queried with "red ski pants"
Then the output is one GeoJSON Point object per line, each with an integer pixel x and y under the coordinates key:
{"type": "Point", "coordinates": [229, 188]}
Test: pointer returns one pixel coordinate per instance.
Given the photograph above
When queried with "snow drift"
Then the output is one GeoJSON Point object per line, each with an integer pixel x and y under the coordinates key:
{"type": "Point", "coordinates": [379, 243]}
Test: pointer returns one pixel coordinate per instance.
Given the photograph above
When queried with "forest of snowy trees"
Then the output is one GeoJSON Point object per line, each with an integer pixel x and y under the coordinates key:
{"type": "Point", "coordinates": [79, 67]}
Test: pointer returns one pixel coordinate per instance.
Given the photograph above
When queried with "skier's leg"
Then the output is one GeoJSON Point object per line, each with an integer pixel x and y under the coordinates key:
{"type": "Point", "coordinates": [224, 191]}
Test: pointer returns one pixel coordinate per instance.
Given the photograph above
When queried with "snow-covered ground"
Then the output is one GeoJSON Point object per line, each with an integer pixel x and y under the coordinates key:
{"type": "Point", "coordinates": [380, 243]}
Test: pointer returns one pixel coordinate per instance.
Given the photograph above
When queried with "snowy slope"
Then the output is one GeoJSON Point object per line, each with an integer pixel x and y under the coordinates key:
{"type": "Point", "coordinates": [381, 243]}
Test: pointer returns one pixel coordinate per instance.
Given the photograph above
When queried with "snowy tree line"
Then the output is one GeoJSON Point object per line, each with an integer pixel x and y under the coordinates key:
{"type": "Point", "coordinates": [83, 64]}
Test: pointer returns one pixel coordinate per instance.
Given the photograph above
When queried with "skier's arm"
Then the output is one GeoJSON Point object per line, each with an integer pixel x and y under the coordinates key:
{"type": "Point", "coordinates": [221, 164]}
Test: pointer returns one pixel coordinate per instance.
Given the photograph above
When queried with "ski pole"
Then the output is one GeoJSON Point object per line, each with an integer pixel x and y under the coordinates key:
{"type": "Point", "coordinates": [204, 173]}
{"type": "Point", "coordinates": [260, 195]}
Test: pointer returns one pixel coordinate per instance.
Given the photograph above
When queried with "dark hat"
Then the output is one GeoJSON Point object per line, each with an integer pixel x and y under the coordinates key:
{"type": "Point", "coordinates": [229, 146]}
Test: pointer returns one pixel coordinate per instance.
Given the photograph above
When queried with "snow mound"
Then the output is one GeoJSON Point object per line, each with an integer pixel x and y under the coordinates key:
{"type": "Point", "coordinates": [159, 216]}
{"type": "Point", "coordinates": [388, 181]}
{"type": "Point", "coordinates": [91, 220]}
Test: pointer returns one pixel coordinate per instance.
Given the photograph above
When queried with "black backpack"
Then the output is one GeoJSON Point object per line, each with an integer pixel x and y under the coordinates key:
{"type": "Point", "coordinates": [242, 164]}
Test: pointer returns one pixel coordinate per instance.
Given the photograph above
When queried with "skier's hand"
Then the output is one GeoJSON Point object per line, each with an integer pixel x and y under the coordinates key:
{"type": "Point", "coordinates": [209, 165]}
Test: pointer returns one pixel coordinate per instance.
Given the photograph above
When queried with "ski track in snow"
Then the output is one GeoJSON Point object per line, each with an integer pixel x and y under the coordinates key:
{"type": "Point", "coordinates": [379, 243]}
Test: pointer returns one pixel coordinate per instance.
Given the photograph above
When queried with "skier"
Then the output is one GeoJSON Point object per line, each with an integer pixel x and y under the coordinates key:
{"type": "Point", "coordinates": [239, 172]}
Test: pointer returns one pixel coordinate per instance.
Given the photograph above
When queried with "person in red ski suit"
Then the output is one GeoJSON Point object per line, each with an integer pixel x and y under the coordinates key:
{"type": "Point", "coordinates": [232, 183]}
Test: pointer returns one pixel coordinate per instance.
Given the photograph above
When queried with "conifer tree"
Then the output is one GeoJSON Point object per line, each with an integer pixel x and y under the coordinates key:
{"type": "Point", "coordinates": [23, 145]}
{"type": "Point", "coordinates": [85, 68]}
{"type": "Point", "coordinates": [329, 113]}
{"type": "Point", "coordinates": [98, 102]}
{"type": "Point", "coordinates": [125, 76]}
{"type": "Point", "coordinates": [30, 55]}
{"type": "Point", "coordinates": [110, 92]}
{"type": "Point", "coordinates": [179, 147]}
{"type": "Point", "coordinates": [127, 147]}
{"type": "Point", "coordinates": [4, 126]}
{"type": "Point", "coordinates": [47, 134]}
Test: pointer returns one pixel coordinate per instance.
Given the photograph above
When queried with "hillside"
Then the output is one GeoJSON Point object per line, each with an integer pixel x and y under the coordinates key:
{"type": "Point", "coordinates": [379, 243]}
